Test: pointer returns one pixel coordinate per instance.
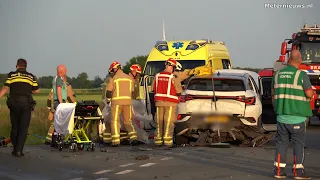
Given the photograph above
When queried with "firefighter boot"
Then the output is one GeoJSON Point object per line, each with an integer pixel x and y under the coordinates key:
{"type": "Point", "coordinates": [280, 173]}
{"type": "Point", "coordinates": [134, 143]}
{"type": "Point", "coordinates": [169, 147]}
{"type": "Point", "coordinates": [300, 174]}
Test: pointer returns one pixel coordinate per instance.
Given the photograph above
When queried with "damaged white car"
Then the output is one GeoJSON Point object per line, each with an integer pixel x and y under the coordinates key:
{"type": "Point", "coordinates": [222, 107]}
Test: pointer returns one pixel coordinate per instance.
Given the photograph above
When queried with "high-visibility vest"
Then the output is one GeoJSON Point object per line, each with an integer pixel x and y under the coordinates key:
{"type": "Point", "coordinates": [289, 95]}
{"type": "Point", "coordinates": [164, 89]}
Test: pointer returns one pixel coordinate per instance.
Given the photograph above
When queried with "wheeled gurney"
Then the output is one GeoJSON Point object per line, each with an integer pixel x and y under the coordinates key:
{"type": "Point", "coordinates": [73, 123]}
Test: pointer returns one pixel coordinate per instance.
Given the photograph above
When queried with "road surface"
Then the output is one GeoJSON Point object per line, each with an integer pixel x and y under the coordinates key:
{"type": "Point", "coordinates": [182, 163]}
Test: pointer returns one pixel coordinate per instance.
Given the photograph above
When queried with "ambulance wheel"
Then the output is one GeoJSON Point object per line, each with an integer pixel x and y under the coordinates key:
{"type": "Point", "coordinates": [60, 147]}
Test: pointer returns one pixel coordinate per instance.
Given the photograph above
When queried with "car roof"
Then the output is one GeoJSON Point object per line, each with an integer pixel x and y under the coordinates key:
{"type": "Point", "coordinates": [221, 75]}
{"type": "Point", "coordinates": [232, 73]}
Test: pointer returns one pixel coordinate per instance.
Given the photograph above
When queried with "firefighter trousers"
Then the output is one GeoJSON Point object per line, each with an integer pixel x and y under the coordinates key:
{"type": "Point", "coordinates": [165, 117]}
{"type": "Point", "coordinates": [127, 112]}
{"type": "Point", "coordinates": [106, 136]}
{"type": "Point", "coordinates": [285, 132]}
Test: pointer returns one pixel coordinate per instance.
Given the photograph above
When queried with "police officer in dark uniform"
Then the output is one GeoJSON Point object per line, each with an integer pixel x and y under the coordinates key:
{"type": "Point", "coordinates": [22, 85]}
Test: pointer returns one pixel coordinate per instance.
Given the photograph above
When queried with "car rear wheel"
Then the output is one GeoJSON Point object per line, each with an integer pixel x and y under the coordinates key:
{"type": "Point", "coordinates": [180, 139]}
{"type": "Point", "coordinates": [260, 125]}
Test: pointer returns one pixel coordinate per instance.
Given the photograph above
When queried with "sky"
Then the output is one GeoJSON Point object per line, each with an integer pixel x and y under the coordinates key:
{"type": "Point", "coordinates": [87, 35]}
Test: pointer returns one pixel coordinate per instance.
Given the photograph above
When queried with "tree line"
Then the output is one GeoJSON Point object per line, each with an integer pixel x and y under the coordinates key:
{"type": "Point", "coordinates": [79, 82]}
{"type": "Point", "coordinates": [82, 81]}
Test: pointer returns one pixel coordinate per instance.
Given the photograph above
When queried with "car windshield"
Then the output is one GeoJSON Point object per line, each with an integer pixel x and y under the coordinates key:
{"type": "Point", "coordinates": [219, 85]}
{"type": "Point", "coordinates": [310, 52]}
{"type": "Point", "coordinates": [154, 67]}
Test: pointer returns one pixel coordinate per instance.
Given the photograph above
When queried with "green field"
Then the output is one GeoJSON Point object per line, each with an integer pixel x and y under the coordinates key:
{"type": "Point", "coordinates": [39, 123]}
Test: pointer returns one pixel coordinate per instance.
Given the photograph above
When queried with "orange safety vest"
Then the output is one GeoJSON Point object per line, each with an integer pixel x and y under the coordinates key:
{"type": "Point", "coordinates": [164, 89]}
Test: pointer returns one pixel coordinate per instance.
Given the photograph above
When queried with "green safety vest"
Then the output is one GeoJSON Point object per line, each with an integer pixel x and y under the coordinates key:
{"type": "Point", "coordinates": [289, 95]}
{"type": "Point", "coordinates": [64, 89]}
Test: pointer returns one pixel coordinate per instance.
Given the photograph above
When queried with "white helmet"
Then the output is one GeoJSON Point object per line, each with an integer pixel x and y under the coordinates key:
{"type": "Point", "coordinates": [178, 66]}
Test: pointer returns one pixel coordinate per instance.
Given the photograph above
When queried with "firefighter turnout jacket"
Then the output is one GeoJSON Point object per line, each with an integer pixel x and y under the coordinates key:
{"type": "Point", "coordinates": [167, 89]}
{"type": "Point", "coordinates": [120, 91]}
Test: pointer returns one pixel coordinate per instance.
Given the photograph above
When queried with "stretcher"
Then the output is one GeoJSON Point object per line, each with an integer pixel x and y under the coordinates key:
{"type": "Point", "coordinates": [72, 122]}
{"type": "Point", "coordinates": [140, 120]}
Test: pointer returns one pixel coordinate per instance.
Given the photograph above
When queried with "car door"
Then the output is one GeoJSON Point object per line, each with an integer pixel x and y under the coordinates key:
{"type": "Point", "coordinates": [268, 114]}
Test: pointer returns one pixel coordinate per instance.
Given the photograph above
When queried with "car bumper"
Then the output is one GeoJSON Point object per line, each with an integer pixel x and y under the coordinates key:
{"type": "Point", "coordinates": [190, 123]}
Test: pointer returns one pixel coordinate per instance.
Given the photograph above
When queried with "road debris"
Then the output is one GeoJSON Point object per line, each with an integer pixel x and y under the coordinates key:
{"type": "Point", "coordinates": [142, 157]}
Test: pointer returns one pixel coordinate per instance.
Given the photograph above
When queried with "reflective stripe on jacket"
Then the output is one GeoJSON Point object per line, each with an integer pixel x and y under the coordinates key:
{"type": "Point", "coordinates": [164, 88]}
{"type": "Point", "coordinates": [122, 87]}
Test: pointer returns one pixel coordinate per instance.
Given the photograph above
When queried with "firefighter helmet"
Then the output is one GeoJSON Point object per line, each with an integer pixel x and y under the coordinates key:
{"type": "Point", "coordinates": [171, 62]}
{"type": "Point", "coordinates": [136, 67]}
{"type": "Point", "coordinates": [114, 65]}
{"type": "Point", "coordinates": [178, 66]}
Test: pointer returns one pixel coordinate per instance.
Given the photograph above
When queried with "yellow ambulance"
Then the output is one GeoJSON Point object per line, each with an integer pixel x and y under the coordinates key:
{"type": "Point", "coordinates": [189, 53]}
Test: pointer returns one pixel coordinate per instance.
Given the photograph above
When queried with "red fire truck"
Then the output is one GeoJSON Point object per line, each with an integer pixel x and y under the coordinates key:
{"type": "Point", "coordinates": [307, 41]}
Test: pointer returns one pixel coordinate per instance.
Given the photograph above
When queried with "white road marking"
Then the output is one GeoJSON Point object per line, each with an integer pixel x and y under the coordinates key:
{"type": "Point", "coordinates": [148, 164]}
{"type": "Point", "coordinates": [102, 172]}
{"type": "Point", "coordinates": [102, 179]}
{"type": "Point", "coordinates": [77, 179]}
{"type": "Point", "coordinates": [125, 172]}
{"type": "Point", "coordinates": [166, 158]}
{"type": "Point", "coordinates": [126, 165]}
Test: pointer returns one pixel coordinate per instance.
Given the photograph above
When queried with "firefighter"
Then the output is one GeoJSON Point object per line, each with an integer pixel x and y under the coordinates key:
{"type": "Point", "coordinates": [167, 90]}
{"type": "Point", "coordinates": [291, 94]}
{"type": "Point", "coordinates": [50, 117]}
{"type": "Point", "coordinates": [106, 135]}
{"type": "Point", "coordinates": [135, 74]}
{"type": "Point", "coordinates": [119, 93]}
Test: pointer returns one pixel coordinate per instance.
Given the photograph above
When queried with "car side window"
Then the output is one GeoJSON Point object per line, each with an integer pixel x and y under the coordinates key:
{"type": "Point", "coordinates": [250, 85]}
{"type": "Point", "coordinates": [255, 87]}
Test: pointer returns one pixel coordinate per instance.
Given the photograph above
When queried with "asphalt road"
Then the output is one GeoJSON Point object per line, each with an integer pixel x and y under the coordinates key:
{"type": "Point", "coordinates": [182, 163]}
